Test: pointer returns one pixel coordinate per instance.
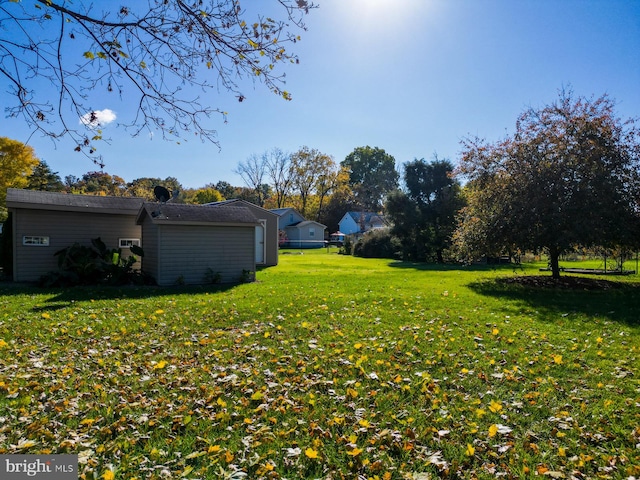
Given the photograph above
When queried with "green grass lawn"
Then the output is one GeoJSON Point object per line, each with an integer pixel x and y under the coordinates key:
{"type": "Point", "coordinates": [328, 367]}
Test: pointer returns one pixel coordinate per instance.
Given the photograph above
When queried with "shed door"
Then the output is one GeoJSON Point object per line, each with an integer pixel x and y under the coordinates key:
{"type": "Point", "coordinates": [260, 246]}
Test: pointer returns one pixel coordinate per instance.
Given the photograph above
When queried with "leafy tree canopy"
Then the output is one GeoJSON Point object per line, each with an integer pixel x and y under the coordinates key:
{"type": "Point", "coordinates": [204, 195]}
{"type": "Point", "coordinates": [97, 183]}
{"type": "Point", "coordinates": [17, 162]}
{"type": "Point", "coordinates": [568, 177]}
{"type": "Point", "coordinates": [314, 176]}
{"type": "Point", "coordinates": [59, 58]}
{"type": "Point", "coordinates": [372, 175]}
{"type": "Point", "coordinates": [45, 179]}
{"type": "Point", "coordinates": [424, 216]}
{"type": "Point", "coordinates": [143, 187]}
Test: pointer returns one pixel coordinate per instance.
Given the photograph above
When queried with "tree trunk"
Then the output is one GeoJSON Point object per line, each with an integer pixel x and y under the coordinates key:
{"type": "Point", "coordinates": [554, 262]}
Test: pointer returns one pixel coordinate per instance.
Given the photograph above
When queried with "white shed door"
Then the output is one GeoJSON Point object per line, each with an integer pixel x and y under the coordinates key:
{"type": "Point", "coordinates": [260, 241]}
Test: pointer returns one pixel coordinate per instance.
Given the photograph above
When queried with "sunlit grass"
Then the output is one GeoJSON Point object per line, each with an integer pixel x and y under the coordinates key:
{"type": "Point", "coordinates": [327, 367]}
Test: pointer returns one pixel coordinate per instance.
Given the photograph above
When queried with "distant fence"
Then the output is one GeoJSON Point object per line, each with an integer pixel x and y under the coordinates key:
{"type": "Point", "coordinates": [303, 243]}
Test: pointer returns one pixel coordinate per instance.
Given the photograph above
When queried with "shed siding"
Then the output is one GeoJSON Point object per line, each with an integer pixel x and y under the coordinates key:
{"type": "Point", "coordinates": [189, 251]}
{"type": "Point", "coordinates": [63, 229]}
{"type": "Point", "coordinates": [151, 248]}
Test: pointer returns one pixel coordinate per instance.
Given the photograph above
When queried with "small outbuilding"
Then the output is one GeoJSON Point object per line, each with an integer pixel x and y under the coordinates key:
{"type": "Point", "coordinates": [43, 223]}
{"type": "Point", "coordinates": [198, 244]}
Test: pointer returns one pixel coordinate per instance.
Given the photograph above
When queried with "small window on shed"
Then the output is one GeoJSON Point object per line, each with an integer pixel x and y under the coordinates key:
{"type": "Point", "coordinates": [35, 241]}
{"type": "Point", "coordinates": [312, 232]}
{"type": "Point", "coordinates": [127, 242]}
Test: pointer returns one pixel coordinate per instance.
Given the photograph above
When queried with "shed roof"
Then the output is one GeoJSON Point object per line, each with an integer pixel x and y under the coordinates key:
{"type": "Point", "coordinates": [174, 213]}
{"type": "Point", "coordinates": [241, 202]}
{"type": "Point", "coordinates": [36, 199]}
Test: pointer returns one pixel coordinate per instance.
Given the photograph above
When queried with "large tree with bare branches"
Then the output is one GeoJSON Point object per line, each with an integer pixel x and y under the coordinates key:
{"type": "Point", "coordinates": [166, 57]}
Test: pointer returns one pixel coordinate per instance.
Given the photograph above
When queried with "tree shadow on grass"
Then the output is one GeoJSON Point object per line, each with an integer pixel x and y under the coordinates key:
{"type": "Point", "coordinates": [60, 298]}
{"type": "Point", "coordinates": [453, 267]}
{"type": "Point", "coordinates": [597, 297]}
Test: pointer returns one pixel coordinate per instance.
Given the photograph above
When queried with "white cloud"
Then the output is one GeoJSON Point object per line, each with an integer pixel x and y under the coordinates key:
{"type": "Point", "coordinates": [98, 118]}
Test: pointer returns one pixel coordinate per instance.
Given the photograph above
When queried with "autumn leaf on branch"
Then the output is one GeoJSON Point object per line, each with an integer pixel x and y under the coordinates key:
{"type": "Point", "coordinates": [161, 57]}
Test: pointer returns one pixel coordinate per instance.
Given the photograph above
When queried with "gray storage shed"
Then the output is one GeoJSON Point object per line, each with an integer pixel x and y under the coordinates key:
{"type": "Point", "coordinates": [188, 244]}
{"type": "Point", "coordinates": [45, 222]}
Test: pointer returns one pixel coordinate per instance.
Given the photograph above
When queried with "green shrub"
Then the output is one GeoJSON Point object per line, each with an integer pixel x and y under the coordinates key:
{"type": "Point", "coordinates": [212, 276]}
{"type": "Point", "coordinates": [347, 246]}
{"type": "Point", "coordinates": [248, 276]}
{"type": "Point", "coordinates": [377, 243]}
{"type": "Point", "coordinates": [84, 265]}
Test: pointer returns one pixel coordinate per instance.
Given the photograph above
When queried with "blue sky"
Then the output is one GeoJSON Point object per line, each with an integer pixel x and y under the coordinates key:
{"type": "Point", "coordinates": [413, 77]}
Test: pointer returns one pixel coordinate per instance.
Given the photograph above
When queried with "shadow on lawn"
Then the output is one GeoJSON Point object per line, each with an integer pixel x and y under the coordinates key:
{"type": "Point", "coordinates": [453, 267]}
{"type": "Point", "coordinates": [616, 301]}
{"type": "Point", "coordinates": [63, 298]}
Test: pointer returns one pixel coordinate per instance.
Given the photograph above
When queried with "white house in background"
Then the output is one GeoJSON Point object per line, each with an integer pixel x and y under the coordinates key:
{"type": "Point", "coordinates": [358, 223]}
{"type": "Point", "coordinates": [296, 231]}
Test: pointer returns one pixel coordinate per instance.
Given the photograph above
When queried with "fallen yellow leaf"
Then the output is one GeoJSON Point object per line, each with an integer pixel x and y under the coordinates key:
{"type": "Point", "coordinates": [311, 453]}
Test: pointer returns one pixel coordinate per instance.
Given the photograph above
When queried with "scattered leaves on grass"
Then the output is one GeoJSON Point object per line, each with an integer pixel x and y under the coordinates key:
{"type": "Point", "coordinates": [373, 381]}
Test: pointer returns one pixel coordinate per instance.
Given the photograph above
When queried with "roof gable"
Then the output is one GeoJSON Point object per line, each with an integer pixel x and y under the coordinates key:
{"type": "Point", "coordinates": [368, 217]}
{"type": "Point", "coordinates": [282, 211]}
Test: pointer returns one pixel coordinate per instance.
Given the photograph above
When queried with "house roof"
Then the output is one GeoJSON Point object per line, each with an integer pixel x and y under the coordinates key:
{"type": "Point", "coordinates": [368, 217]}
{"type": "Point", "coordinates": [175, 213]}
{"type": "Point", "coordinates": [282, 211]}
{"type": "Point", "coordinates": [36, 199]}
{"type": "Point", "coordinates": [305, 223]}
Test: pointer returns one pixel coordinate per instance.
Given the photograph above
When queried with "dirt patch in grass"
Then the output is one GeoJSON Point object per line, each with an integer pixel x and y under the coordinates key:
{"type": "Point", "coordinates": [564, 282]}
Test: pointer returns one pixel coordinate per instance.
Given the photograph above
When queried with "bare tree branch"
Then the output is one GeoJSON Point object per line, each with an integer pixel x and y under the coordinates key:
{"type": "Point", "coordinates": [165, 56]}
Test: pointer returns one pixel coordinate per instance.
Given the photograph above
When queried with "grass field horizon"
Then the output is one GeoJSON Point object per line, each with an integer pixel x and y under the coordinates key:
{"type": "Point", "coordinates": [329, 367]}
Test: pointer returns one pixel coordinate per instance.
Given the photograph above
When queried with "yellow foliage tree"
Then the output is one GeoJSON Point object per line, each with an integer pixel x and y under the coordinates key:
{"type": "Point", "coordinates": [17, 162]}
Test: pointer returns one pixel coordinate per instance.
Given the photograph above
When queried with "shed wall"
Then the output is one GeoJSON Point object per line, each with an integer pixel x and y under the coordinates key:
{"type": "Point", "coordinates": [150, 234]}
{"type": "Point", "coordinates": [63, 229]}
{"type": "Point", "coordinates": [185, 253]}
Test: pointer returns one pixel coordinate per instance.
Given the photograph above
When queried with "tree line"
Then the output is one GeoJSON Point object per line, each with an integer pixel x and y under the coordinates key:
{"type": "Point", "coordinates": [569, 177]}
{"type": "Point", "coordinates": [307, 180]}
